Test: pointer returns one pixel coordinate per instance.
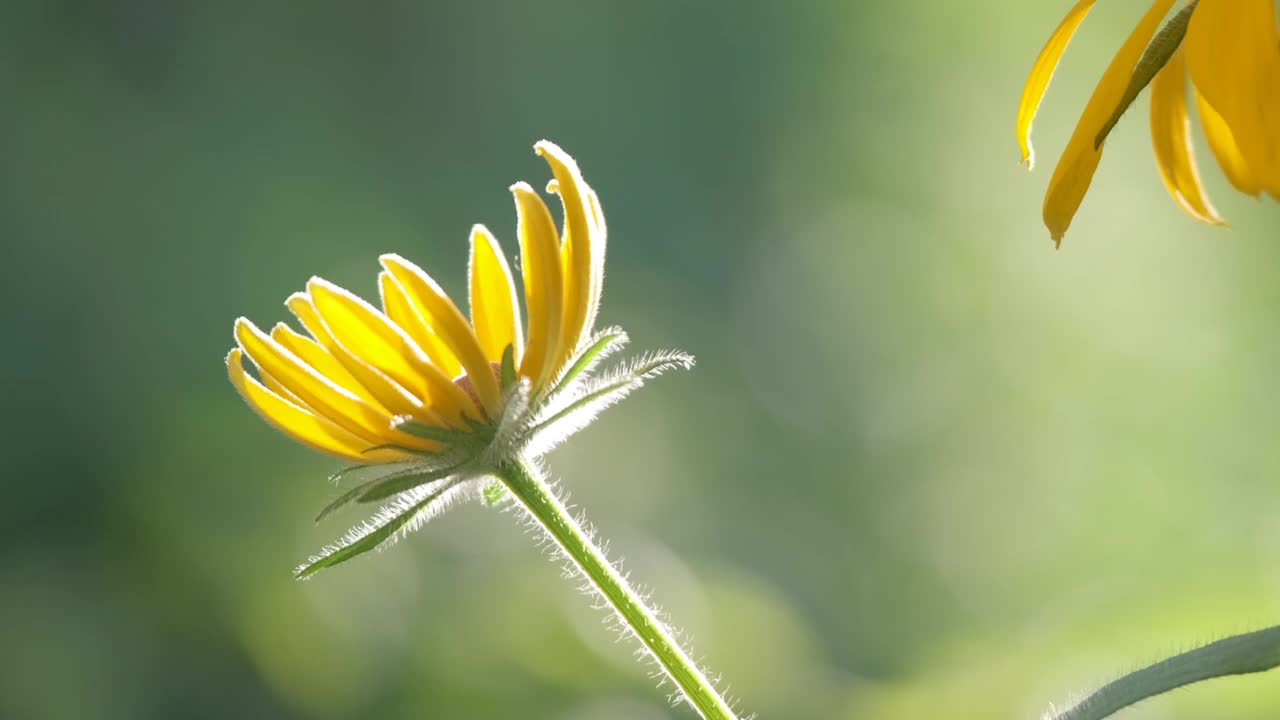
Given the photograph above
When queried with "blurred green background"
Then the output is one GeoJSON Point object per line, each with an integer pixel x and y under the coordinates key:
{"type": "Point", "coordinates": [927, 467]}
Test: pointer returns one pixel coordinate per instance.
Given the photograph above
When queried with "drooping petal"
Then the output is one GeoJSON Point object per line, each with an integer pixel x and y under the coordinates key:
{"type": "Point", "coordinates": [369, 335]}
{"type": "Point", "coordinates": [439, 312]}
{"type": "Point", "coordinates": [1233, 52]}
{"type": "Point", "coordinates": [1042, 73]}
{"type": "Point", "coordinates": [302, 425]}
{"type": "Point", "coordinates": [543, 284]}
{"type": "Point", "coordinates": [1224, 148]}
{"type": "Point", "coordinates": [495, 313]}
{"type": "Point", "coordinates": [577, 249]}
{"type": "Point", "coordinates": [1171, 138]}
{"type": "Point", "coordinates": [328, 399]}
{"type": "Point", "coordinates": [1074, 173]}
{"type": "Point", "coordinates": [397, 307]}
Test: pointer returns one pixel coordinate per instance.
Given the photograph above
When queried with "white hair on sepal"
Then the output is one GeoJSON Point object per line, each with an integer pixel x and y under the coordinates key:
{"type": "Point", "coordinates": [565, 415]}
{"type": "Point", "coordinates": [408, 512]}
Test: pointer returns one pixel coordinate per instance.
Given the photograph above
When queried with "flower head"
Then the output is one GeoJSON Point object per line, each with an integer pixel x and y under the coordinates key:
{"type": "Point", "coordinates": [436, 400]}
{"type": "Point", "coordinates": [1230, 50]}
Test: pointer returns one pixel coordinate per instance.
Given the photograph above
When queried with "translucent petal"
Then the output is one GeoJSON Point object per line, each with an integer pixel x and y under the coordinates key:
{"type": "Point", "coordinates": [397, 307]}
{"type": "Point", "coordinates": [1233, 52]}
{"type": "Point", "coordinates": [1171, 138]}
{"type": "Point", "coordinates": [326, 398]}
{"type": "Point", "coordinates": [495, 314]}
{"type": "Point", "coordinates": [576, 251]}
{"type": "Point", "coordinates": [1074, 173]}
{"type": "Point", "coordinates": [1224, 148]}
{"type": "Point", "coordinates": [543, 285]}
{"type": "Point", "coordinates": [1042, 73]}
{"type": "Point", "coordinates": [371, 336]}
{"type": "Point", "coordinates": [439, 312]}
{"type": "Point", "coordinates": [302, 425]}
{"type": "Point", "coordinates": [315, 355]}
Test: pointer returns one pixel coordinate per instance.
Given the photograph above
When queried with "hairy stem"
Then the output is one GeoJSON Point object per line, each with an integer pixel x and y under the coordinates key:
{"type": "Point", "coordinates": [533, 493]}
{"type": "Point", "coordinates": [1237, 655]}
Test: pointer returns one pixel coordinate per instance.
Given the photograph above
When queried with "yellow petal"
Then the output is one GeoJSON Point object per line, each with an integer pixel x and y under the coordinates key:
{"type": "Point", "coordinates": [543, 285]}
{"type": "Point", "coordinates": [1224, 147]}
{"type": "Point", "coordinates": [369, 335]}
{"type": "Point", "coordinates": [600, 233]}
{"type": "Point", "coordinates": [1074, 173]}
{"type": "Point", "coordinates": [1042, 73]}
{"type": "Point", "coordinates": [1171, 138]}
{"type": "Point", "coordinates": [314, 354]}
{"type": "Point", "coordinates": [577, 250]}
{"type": "Point", "coordinates": [326, 398]}
{"type": "Point", "coordinates": [397, 307]}
{"type": "Point", "coordinates": [375, 388]}
{"type": "Point", "coordinates": [302, 425]}
{"type": "Point", "coordinates": [1233, 52]}
{"type": "Point", "coordinates": [494, 312]}
{"type": "Point", "coordinates": [439, 312]}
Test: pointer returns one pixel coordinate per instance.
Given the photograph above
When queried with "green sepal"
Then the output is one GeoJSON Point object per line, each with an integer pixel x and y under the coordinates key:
{"type": "Point", "coordinates": [373, 538]}
{"type": "Point", "coordinates": [387, 485]}
{"type": "Point", "coordinates": [395, 484]}
{"type": "Point", "coordinates": [508, 367]}
{"type": "Point", "coordinates": [605, 340]}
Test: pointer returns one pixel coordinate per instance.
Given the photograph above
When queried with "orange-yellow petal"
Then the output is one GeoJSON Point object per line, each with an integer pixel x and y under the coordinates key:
{"type": "Point", "coordinates": [1224, 148]}
{"type": "Point", "coordinates": [1171, 138]}
{"type": "Point", "coordinates": [1042, 73]}
{"type": "Point", "coordinates": [366, 333]}
{"type": "Point", "coordinates": [577, 250]}
{"type": "Point", "coordinates": [1074, 173]}
{"type": "Point", "coordinates": [397, 307]}
{"type": "Point", "coordinates": [1233, 52]}
{"type": "Point", "coordinates": [495, 314]}
{"type": "Point", "coordinates": [543, 284]}
{"type": "Point", "coordinates": [439, 312]}
{"type": "Point", "coordinates": [302, 425]}
{"type": "Point", "coordinates": [600, 235]}
{"type": "Point", "coordinates": [315, 355]}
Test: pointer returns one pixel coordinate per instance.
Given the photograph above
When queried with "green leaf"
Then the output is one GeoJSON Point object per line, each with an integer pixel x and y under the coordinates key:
{"type": "Point", "coordinates": [384, 526]}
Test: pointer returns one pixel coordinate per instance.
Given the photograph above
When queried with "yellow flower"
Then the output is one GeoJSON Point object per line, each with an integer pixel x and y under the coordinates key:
{"type": "Point", "coordinates": [393, 384]}
{"type": "Point", "coordinates": [1231, 53]}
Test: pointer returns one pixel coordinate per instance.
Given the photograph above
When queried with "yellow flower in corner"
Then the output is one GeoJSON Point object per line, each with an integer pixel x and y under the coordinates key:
{"type": "Point", "coordinates": [1230, 51]}
{"type": "Point", "coordinates": [436, 399]}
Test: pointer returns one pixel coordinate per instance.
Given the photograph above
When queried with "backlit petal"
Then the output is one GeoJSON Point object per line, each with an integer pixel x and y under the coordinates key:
{"type": "Point", "coordinates": [302, 425]}
{"type": "Point", "coordinates": [1074, 173]}
{"type": "Point", "coordinates": [495, 314]}
{"type": "Point", "coordinates": [1042, 73]}
{"type": "Point", "coordinates": [397, 307]}
{"type": "Point", "coordinates": [543, 284]}
{"type": "Point", "coordinates": [1233, 52]}
{"type": "Point", "coordinates": [326, 398]}
{"type": "Point", "coordinates": [577, 248]}
{"type": "Point", "coordinates": [439, 312]}
{"type": "Point", "coordinates": [1171, 138]}
{"type": "Point", "coordinates": [1224, 148]}
{"type": "Point", "coordinates": [368, 334]}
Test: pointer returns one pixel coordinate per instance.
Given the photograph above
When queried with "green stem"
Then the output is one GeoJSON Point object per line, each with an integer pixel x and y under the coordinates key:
{"type": "Point", "coordinates": [1237, 655]}
{"type": "Point", "coordinates": [525, 483]}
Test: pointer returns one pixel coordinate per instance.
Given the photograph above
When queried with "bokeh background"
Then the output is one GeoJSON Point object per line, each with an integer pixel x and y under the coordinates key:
{"type": "Point", "coordinates": [926, 467]}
